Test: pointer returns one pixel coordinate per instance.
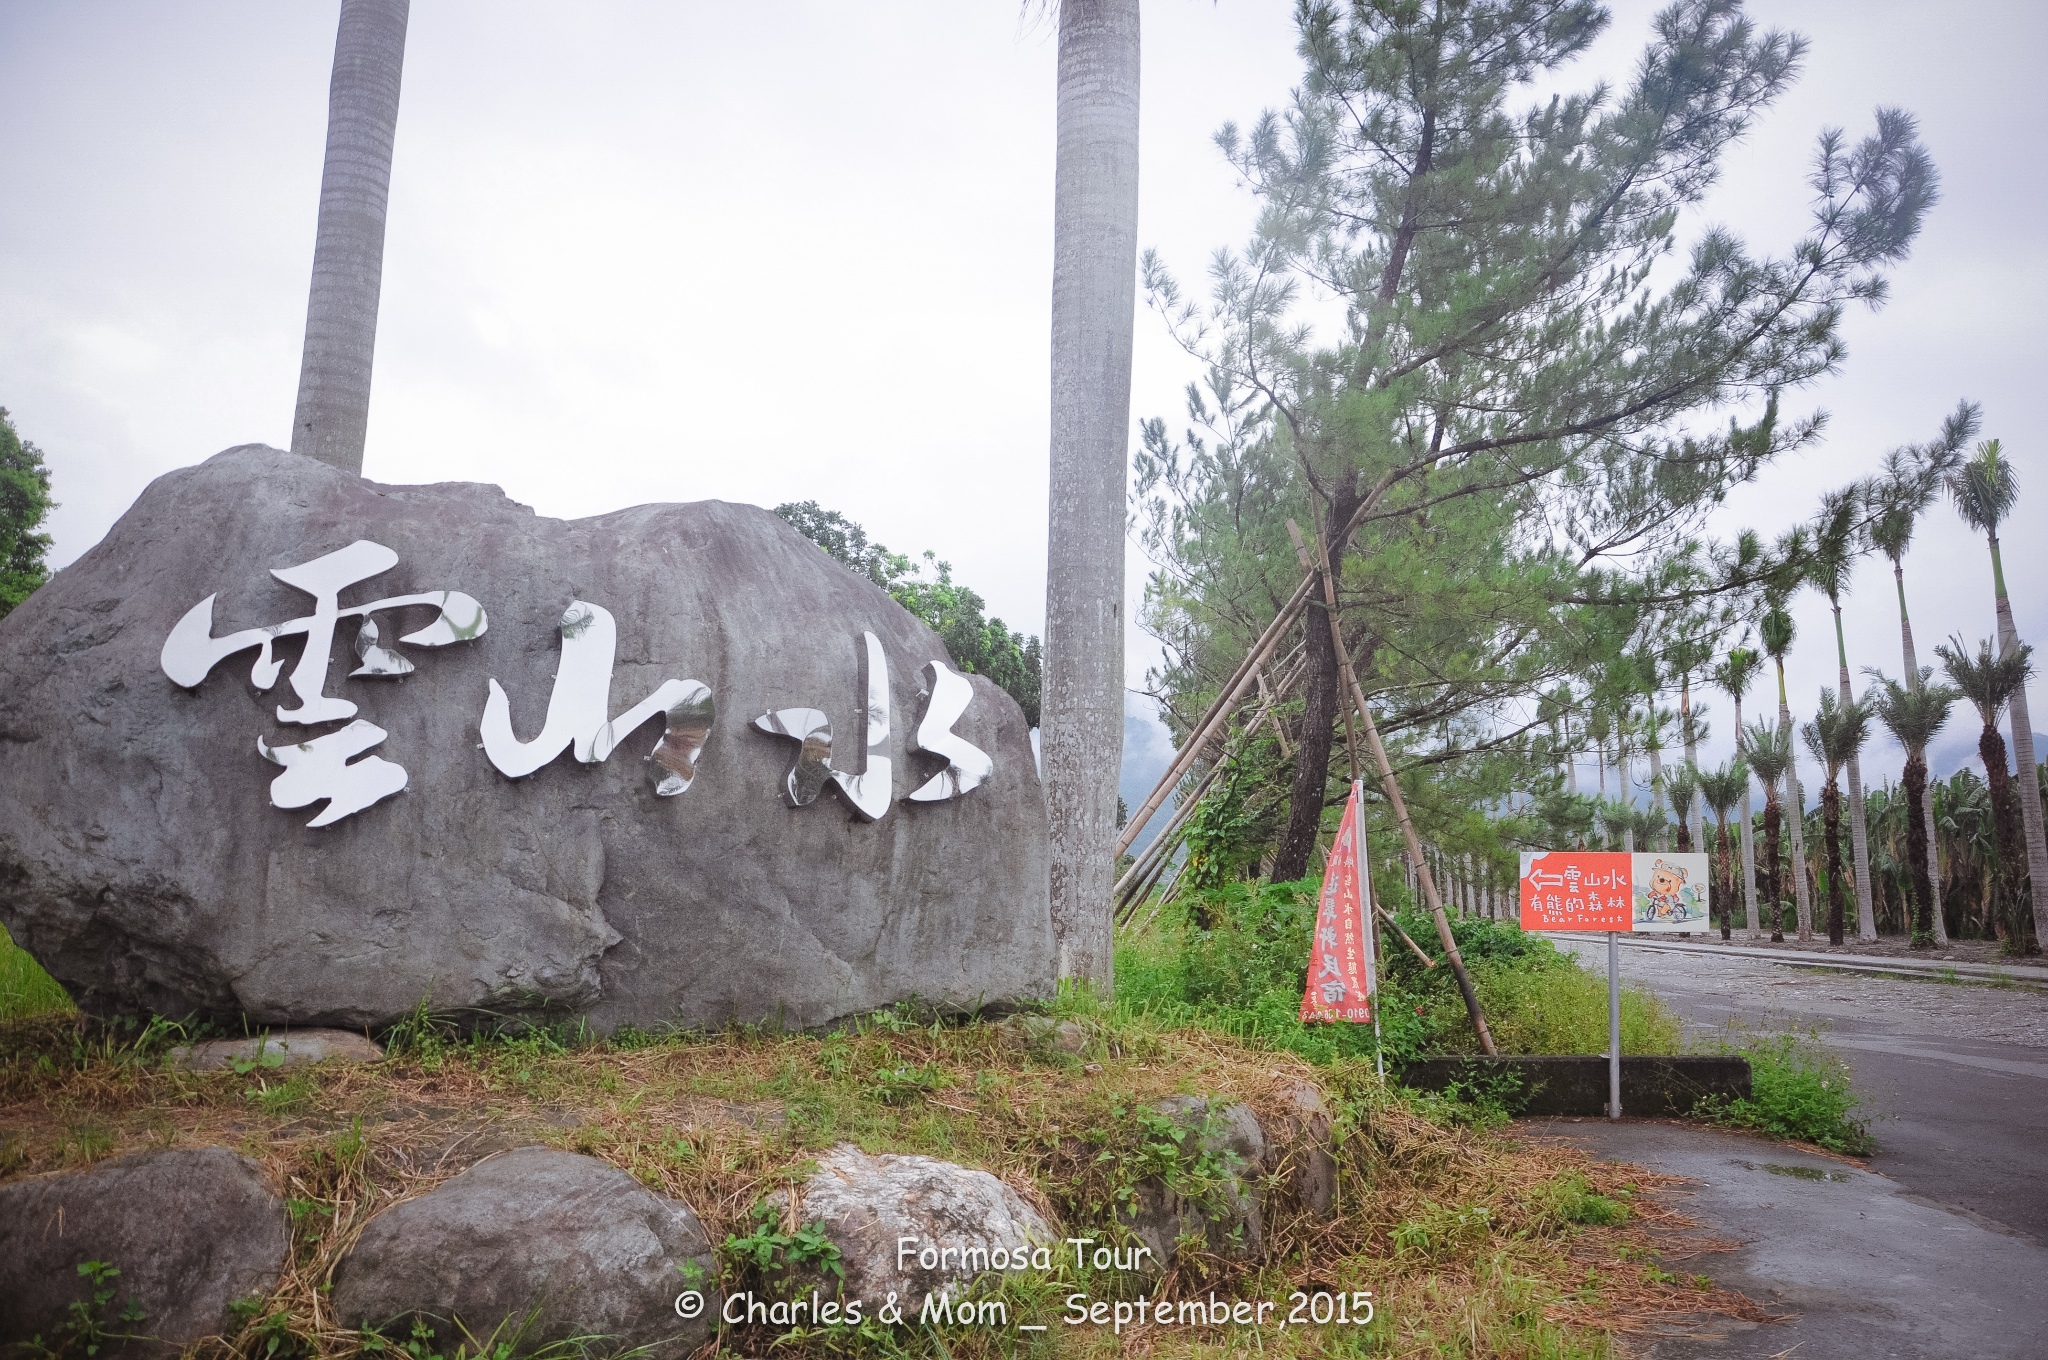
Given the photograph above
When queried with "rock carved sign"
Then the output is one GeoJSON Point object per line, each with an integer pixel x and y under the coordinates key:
{"type": "Point", "coordinates": [325, 768]}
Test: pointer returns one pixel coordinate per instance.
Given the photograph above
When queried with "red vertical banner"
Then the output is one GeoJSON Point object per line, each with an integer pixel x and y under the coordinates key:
{"type": "Point", "coordinates": [1341, 976]}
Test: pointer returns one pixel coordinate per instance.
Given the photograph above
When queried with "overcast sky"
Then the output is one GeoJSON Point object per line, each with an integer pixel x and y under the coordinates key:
{"type": "Point", "coordinates": [669, 251]}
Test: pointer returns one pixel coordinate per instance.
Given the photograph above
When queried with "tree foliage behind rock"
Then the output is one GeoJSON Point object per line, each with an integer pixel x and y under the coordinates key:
{"type": "Point", "coordinates": [979, 644]}
{"type": "Point", "coordinates": [24, 504]}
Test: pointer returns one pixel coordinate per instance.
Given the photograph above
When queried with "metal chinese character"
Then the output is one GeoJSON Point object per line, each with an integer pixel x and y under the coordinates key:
{"type": "Point", "coordinates": [318, 768]}
{"type": "Point", "coordinates": [869, 791]}
{"type": "Point", "coordinates": [967, 765]}
{"type": "Point", "coordinates": [577, 708]}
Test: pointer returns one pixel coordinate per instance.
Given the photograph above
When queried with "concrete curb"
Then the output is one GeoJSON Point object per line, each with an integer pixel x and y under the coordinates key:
{"type": "Point", "coordinates": [1576, 1084]}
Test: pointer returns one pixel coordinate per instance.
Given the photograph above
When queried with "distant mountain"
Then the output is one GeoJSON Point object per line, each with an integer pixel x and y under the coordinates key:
{"type": "Point", "coordinates": [1148, 750]}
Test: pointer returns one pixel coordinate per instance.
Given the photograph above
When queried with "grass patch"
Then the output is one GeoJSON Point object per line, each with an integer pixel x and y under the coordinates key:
{"type": "Point", "coordinates": [1469, 1242]}
{"type": "Point", "coordinates": [25, 989]}
{"type": "Point", "coordinates": [1799, 1091]}
{"type": "Point", "coordinates": [1236, 958]}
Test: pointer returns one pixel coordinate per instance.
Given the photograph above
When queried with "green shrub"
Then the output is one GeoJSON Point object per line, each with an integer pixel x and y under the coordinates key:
{"type": "Point", "coordinates": [1798, 1091]}
{"type": "Point", "coordinates": [1244, 971]}
{"type": "Point", "coordinates": [1570, 1198]}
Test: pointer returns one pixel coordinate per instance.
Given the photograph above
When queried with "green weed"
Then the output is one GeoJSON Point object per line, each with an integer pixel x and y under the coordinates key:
{"type": "Point", "coordinates": [1798, 1091]}
{"type": "Point", "coordinates": [25, 989]}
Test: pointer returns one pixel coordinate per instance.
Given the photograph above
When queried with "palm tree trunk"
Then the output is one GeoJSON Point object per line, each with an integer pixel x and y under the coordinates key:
{"type": "Point", "coordinates": [1926, 804]}
{"type": "Point", "coordinates": [1795, 797]}
{"type": "Point", "coordinates": [1915, 780]}
{"type": "Point", "coordinates": [1622, 792]}
{"type": "Point", "coordinates": [1094, 283]}
{"type": "Point", "coordinates": [1657, 791]}
{"type": "Point", "coordinates": [2001, 877]}
{"type": "Point", "coordinates": [1859, 829]}
{"type": "Point", "coordinates": [1831, 819]}
{"type": "Point", "coordinates": [1696, 812]}
{"type": "Point", "coordinates": [2026, 774]}
{"type": "Point", "coordinates": [333, 412]}
{"type": "Point", "coordinates": [1748, 838]}
{"type": "Point", "coordinates": [1773, 889]}
{"type": "Point", "coordinates": [1726, 882]}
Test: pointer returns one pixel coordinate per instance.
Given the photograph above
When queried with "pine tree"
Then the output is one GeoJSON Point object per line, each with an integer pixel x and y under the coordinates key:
{"type": "Point", "coordinates": [1510, 340]}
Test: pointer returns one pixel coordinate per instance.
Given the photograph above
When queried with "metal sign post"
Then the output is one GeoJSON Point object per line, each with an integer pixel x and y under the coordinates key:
{"type": "Point", "coordinates": [1613, 1025]}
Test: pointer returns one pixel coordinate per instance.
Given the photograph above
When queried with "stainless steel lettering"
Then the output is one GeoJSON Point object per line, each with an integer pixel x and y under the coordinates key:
{"type": "Point", "coordinates": [811, 769]}
{"type": "Point", "coordinates": [191, 651]}
{"type": "Point", "coordinates": [318, 768]}
{"type": "Point", "coordinates": [580, 700]}
{"type": "Point", "coordinates": [867, 792]}
{"type": "Point", "coordinates": [967, 765]}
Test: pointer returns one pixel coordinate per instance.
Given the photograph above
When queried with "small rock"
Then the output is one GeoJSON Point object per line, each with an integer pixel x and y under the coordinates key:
{"type": "Point", "coordinates": [762, 1116]}
{"type": "Point", "coordinates": [597, 1252]}
{"type": "Point", "coordinates": [189, 1229]}
{"type": "Point", "coordinates": [1301, 1147]}
{"type": "Point", "coordinates": [866, 1204]}
{"type": "Point", "coordinates": [1044, 1036]}
{"type": "Point", "coordinates": [285, 1048]}
{"type": "Point", "coordinates": [1230, 1217]}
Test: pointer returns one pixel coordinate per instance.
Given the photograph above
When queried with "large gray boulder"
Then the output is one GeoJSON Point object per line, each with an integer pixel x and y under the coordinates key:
{"type": "Point", "coordinates": [909, 1226]}
{"type": "Point", "coordinates": [190, 1230]}
{"type": "Point", "coordinates": [143, 863]}
{"type": "Point", "coordinates": [575, 1242]}
{"type": "Point", "coordinates": [1221, 1199]}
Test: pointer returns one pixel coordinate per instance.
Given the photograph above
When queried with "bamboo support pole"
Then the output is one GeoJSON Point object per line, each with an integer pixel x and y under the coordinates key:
{"type": "Point", "coordinates": [1122, 895]}
{"type": "Point", "coordinates": [1212, 721]}
{"type": "Point", "coordinates": [1392, 788]}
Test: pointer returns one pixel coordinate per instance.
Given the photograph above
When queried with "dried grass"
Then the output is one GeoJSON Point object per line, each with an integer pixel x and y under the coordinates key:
{"type": "Point", "coordinates": [720, 1121]}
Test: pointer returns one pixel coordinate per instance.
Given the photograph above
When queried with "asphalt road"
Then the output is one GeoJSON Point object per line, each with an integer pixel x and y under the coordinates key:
{"type": "Point", "coordinates": [1954, 1077]}
{"type": "Point", "coordinates": [1941, 1247]}
{"type": "Point", "coordinates": [1850, 1265]}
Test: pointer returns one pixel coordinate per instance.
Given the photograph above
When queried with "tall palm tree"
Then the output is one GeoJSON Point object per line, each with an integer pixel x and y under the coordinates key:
{"type": "Point", "coordinates": [1776, 632]}
{"type": "Point", "coordinates": [1723, 788]}
{"type": "Point", "coordinates": [1599, 727]}
{"type": "Point", "coordinates": [332, 416]}
{"type": "Point", "coordinates": [1734, 676]}
{"type": "Point", "coordinates": [1914, 713]}
{"type": "Point", "coordinates": [1989, 680]}
{"type": "Point", "coordinates": [1682, 787]}
{"type": "Point", "coordinates": [1689, 654]}
{"type": "Point", "coordinates": [1985, 490]}
{"type": "Point", "coordinates": [1655, 720]}
{"type": "Point", "coordinates": [1835, 550]}
{"type": "Point", "coordinates": [1891, 532]}
{"type": "Point", "coordinates": [1094, 282]}
{"type": "Point", "coordinates": [1769, 753]}
{"type": "Point", "coordinates": [1835, 735]}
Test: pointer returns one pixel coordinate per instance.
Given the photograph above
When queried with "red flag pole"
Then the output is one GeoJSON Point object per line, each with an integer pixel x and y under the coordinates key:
{"type": "Point", "coordinates": [1372, 952]}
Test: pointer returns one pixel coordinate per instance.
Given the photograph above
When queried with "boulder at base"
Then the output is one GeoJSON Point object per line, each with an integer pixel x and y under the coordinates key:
{"type": "Point", "coordinates": [960, 1224]}
{"type": "Point", "coordinates": [143, 863]}
{"type": "Point", "coordinates": [554, 1243]}
{"type": "Point", "coordinates": [1229, 1216]}
{"type": "Point", "coordinates": [190, 1231]}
